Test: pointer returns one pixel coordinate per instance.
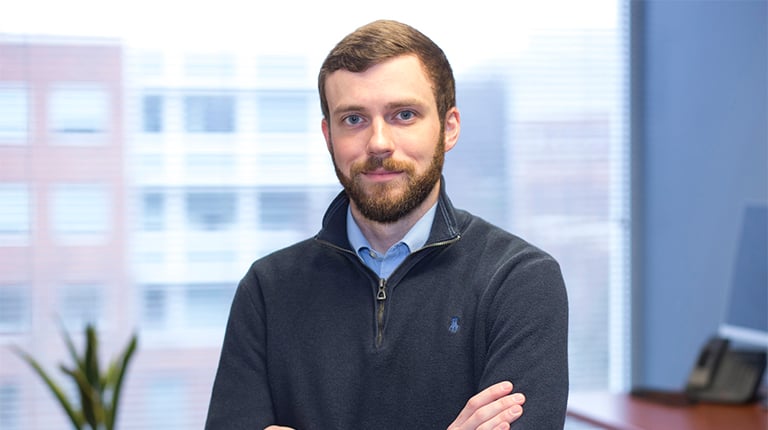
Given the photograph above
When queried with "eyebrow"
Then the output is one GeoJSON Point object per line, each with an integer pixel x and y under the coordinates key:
{"type": "Point", "coordinates": [389, 106]}
{"type": "Point", "coordinates": [347, 108]}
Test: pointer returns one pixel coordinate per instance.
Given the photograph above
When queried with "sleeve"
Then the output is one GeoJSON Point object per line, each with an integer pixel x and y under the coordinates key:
{"type": "Point", "coordinates": [241, 397]}
{"type": "Point", "coordinates": [527, 340]}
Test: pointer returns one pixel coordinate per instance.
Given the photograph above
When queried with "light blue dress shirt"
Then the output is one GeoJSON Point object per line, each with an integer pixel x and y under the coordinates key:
{"type": "Point", "coordinates": [384, 265]}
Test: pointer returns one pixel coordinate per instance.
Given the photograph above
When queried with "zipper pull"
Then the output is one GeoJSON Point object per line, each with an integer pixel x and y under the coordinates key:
{"type": "Point", "coordinates": [382, 293]}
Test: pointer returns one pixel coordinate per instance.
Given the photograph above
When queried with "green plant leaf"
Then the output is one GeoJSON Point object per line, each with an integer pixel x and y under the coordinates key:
{"type": "Point", "coordinates": [74, 416]}
{"type": "Point", "coordinates": [89, 402]}
{"type": "Point", "coordinates": [69, 344]}
{"type": "Point", "coordinates": [94, 387]}
{"type": "Point", "coordinates": [93, 373]}
{"type": "Point", "coordinates": [79, 375]}
{"type": "Point", "coordinates": [120, 368]}
{"type": "Point", "coordinates": [91, 357]}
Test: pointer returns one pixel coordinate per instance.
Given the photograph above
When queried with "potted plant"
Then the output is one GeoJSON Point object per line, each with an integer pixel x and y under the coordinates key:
{"type": "Point", "coordinates": [98, 388]}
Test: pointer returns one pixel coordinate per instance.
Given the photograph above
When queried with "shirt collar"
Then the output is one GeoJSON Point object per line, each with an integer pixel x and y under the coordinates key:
{"type": "Point", "coordinates": [415, 238]}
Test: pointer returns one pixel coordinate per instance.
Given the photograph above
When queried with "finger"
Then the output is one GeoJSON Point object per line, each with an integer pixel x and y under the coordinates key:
{"type": "Point", "coordinates": [500, 412]}
{"type": "Point", "coordinates": [481, 399]}
{"type": "Point", "coordinates": [503, 420]}
{"type": "Point", "coordinates": [497, 415]}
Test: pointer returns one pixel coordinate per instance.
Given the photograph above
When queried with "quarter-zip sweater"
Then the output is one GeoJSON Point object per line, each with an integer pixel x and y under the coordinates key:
{"type": "Point", "coordinates": [315, 340]}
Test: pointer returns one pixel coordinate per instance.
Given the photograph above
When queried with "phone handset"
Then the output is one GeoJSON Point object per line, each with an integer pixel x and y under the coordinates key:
{"type": "Point", "coordinates": [703, 372]}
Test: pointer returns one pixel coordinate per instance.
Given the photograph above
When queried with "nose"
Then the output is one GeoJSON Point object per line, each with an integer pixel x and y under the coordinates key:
{"type": "Point", "coordinates": [380, 141]}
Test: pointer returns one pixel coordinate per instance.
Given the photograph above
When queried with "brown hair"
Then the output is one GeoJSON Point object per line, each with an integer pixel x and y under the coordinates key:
{"type": "Point", "coordinates": [382, 40]}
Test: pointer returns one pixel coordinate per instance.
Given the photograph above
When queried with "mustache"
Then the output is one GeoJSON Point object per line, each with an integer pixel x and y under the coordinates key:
{"type": "Point", "coordinates": [386, 163]}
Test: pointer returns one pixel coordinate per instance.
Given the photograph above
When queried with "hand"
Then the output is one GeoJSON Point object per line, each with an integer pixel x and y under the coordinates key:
{"type": "Point", "coordinates": [278, 428]}
{"type": "Point", "coordinates": [491, 409]}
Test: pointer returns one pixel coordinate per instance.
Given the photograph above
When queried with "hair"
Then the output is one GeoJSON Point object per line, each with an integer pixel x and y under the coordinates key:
{"type": "Point", "coordinates": [382, 40]}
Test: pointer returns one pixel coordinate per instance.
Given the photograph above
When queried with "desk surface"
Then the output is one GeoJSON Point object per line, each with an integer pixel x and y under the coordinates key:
{"type": "Point", "coordinates": [624, 412]}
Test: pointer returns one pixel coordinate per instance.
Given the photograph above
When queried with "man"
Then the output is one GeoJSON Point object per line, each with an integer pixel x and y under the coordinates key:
{"type": "Point", "coordinates": [403, 312]}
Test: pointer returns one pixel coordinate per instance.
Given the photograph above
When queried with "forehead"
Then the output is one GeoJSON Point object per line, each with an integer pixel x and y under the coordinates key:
{"type": "Point", "coordinates": [399, 78]}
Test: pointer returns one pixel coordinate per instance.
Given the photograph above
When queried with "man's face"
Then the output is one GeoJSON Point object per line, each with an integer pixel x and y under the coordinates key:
{"type": "Point", "coordinates": [385, 137]}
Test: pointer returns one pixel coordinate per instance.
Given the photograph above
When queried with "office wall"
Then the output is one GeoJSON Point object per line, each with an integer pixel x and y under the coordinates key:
{"type": "Point", "coordinates": [702, 138]}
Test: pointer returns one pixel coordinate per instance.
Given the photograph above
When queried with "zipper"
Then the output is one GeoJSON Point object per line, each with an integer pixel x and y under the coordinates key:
{"type": "Point", "coordinates": [381, 291]}
{"type": "Point", "coordinates": [381, 298]}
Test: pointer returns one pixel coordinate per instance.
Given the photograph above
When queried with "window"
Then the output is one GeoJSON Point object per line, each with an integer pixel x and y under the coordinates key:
{"type": "Point", "coordinates": [224, 162]}
{"type": "Point", "coordinates": [155, 307]}
{"type": "Point", "coordinates": [79, 110]}
{"type": "Point", "coordinates": [14, 113]}
{"type": "Point", "coordinates": [282, 210]}
{"type": "Point", "coordinates": [284, 112]}
{"type": "Point", "coordinates": [152, 114]}
{"type": "Point", "coordinates": [207, 305]}
{"type": "Point", "coordinates": [81, 209]}
{"type": "Point", "coordinates": [153, 214]}
{"type": "Point", "coordinates": [209, 114]}
{"type": "Point", "coordinates": [14, 308]}
{"type": "Point", "coordinates": [177, 309]}
{"type": "Point", "coordinates": [81, 304]}
{"type": "Point", "coordinates": [15, 218]}
{"type": "Point", "coordinates": [211, 210]}
{"type": "Point", "coordinates": [10, 406]}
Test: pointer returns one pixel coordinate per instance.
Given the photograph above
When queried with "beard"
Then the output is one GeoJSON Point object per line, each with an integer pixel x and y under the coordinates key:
{"type": "Point", "coordinates": [389, 202]}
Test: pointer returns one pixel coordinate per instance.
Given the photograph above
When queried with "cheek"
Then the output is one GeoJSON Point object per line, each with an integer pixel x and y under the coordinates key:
{"type": "Point", "coordinates": [343, 154]}
{"type": "Point", "coordinates": [421, 148]}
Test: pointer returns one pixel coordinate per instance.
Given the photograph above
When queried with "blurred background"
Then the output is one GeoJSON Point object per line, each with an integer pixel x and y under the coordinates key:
{"type": "Point", "coordinates": [150, 151]}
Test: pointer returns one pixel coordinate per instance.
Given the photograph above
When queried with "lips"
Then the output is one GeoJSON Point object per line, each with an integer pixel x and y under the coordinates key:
{"type": "Point", "coordinates": [382, 174]}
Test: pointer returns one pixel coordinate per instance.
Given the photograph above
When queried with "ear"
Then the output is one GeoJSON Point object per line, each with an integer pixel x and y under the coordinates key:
{"type": "Point", "coordinates": [452, 128]}
{"type": "Point", "coordinates": [327, 134]}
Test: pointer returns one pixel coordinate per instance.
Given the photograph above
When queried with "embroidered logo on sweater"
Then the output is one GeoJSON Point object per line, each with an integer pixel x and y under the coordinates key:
{"type": "Point", "coordinates": [454, 327]}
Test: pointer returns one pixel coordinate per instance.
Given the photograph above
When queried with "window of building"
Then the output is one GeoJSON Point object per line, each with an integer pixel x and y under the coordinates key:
{"type": "Point", "coordinates": [10, 406]}
{"type": "Point", "coordinates": [79, 110]}
{"type": "Point", "coordinates": [81, 209]}
{"type": "Point", "coordinates": [81, 304]}
{"type": "Point", "coordinates": [154, 307]}
{"type": "Point", "coordinates": [14, 113]}
{"type": "Point", "coordinates": [282, 210]}
{"type": "Point", "coordinates": [14, 308]}
{"type": "Point", "coordinates": [209, 210]}
{"type": "Point", "coordinates": [153, 211]}
{"type": "Point", "coordinates": [179, 309]}
{"type": "Point", "coordinates": [152, 114]}
{"type": "Point", "coordinates": [284, 111]}
{"type": "Point", "coordinates": [209, 113]}
{"type": "Point", "coordinates": [15, 217]}
{"type": "Point", "coordinates": [207, 305]}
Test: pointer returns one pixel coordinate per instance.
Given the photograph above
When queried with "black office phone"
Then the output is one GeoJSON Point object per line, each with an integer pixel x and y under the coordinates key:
{"type": "Point", "coordinates": [725, 375]}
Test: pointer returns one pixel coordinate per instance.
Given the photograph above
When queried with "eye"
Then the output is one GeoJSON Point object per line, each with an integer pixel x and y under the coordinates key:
{"type": "Point", "coordinates": [353, 119]}
{"type": "Point", "coordinates": [406, 115]}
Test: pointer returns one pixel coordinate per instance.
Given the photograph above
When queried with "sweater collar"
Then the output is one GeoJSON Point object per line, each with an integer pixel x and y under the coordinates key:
{"type": "Point", "coordinates": [334, 228]}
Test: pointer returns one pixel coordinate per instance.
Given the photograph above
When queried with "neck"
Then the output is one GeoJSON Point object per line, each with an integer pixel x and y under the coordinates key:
{"type": "Point", "coordinates": [382, 236]}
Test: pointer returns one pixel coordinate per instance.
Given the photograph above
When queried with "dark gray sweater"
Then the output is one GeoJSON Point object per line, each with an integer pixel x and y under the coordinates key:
{"type": "Point", "coordinates": [316, 341]}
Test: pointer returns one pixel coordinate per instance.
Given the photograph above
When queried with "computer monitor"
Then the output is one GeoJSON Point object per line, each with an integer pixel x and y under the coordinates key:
{"type": "Point", "coordinates": [746, 312]}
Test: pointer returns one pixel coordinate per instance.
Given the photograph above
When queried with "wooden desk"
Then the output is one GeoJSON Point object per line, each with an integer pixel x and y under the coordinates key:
{"type": "Point", "coordinates": [624, 412]}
